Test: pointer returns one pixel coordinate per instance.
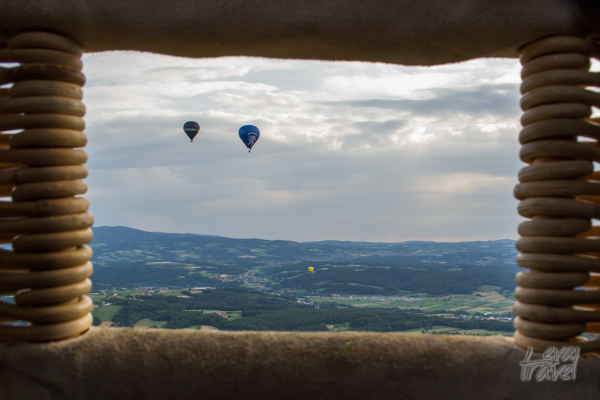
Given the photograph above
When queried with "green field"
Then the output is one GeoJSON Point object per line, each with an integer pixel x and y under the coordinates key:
{"type": "Point", "coordinates": [483, 302]}
{"type": "Point", "coordinates": [350, 302]}
{"type": "Point", "coordinates": [430, 305]}
{"type": "Point", "coordinates": [340, 327]}
{"type": "Point", "coordinates": [488, 288]}
{"type": "Point", "coordinates": [97, 298]}
{"type": "Point", "coordinates": [202, 328]}
{"type": "Point", "coordinates": [493, 333]}
{"type": "Point", "coordinates": [468, 303]}
{"type": "Point", "coordinates": [149, 322]}
{"type": "Point", "coordinates": [438, 329]}
{"type": "Point", "coordinates": [107, 312]}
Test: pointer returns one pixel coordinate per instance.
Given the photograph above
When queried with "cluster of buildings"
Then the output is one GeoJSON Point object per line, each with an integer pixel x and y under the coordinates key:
{"type": "Point", "coordinates": [227, 278]}
{"type": "Point", "coordinates": [252, 280]}
{"type": "Point", "coordinates": [482, 317]}
{"type": "Point", "coordinates": [409, 299]}
{"type": "Point", "coordinates": [338, 297]}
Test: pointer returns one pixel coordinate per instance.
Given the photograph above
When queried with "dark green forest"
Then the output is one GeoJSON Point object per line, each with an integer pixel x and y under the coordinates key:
{"type": "Point", "coordinates": [390, 279]}
{"type": "Point", "coordinates": [157, 275]}
{"type": "Point", "coordinates": [359, 279]}
{"type": "Point", "coordinates": [129, 258]}
{"type": "Point", "coordinates": [268, 312]}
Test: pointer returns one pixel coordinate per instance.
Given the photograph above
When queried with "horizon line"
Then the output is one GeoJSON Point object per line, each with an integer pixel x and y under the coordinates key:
{"type": "Point", "coordinates": [310, 241]}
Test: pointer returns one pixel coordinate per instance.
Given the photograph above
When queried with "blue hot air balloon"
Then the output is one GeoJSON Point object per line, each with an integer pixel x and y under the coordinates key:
{"type": "Point", "coordinates": [249, 135]}
{"type": "Point", "coordinates": [191, 128]}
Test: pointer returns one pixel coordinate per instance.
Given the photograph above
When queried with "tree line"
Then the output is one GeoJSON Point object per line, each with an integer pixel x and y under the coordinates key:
{"type": "Point", "coordinates": [378, 280]}
{"type": "Point", "coordinates": [262, 312]}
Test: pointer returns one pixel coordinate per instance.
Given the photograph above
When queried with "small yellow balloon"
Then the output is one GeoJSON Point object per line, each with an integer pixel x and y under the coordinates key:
{"type": "Point", "coordinates": [310, 269]}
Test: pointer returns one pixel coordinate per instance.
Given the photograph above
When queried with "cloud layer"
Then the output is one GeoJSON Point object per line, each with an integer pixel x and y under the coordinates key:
{"type": "Point", "coordinates": [348, 151]}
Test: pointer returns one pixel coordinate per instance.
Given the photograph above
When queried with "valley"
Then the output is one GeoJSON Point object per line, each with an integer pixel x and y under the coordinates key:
{"type": "Point", "coordinates": [445, 288]}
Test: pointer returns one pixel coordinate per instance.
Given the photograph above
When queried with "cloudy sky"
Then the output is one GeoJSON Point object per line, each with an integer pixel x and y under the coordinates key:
{"type": "Point", "coordinates": [348, 151]}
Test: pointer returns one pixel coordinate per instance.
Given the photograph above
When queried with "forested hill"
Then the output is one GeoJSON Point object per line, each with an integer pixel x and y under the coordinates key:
{"type": "Point", "coordinates": [126, 258]}
{"type": "Point", "coordinates": [124, 246]}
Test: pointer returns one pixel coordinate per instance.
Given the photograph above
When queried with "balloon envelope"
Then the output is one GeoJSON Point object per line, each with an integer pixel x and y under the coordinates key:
{"type": "Point", "coordinates": [249, 135]}
{"type": "Point", "coordinates": [191, 128]}
{"type": "Point", "coordinates": [310, 269]}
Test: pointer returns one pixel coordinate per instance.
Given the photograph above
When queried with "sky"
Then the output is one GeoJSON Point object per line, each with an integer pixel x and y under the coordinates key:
{"type": "Point", "coordinates": [347, 151]}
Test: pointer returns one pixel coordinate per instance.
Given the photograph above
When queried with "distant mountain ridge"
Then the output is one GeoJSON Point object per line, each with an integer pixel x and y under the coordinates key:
{"type": "Point", "coordinates": [354, 244]}
{"type": "Point", "coordinates": [126, 257]}
{"type": "Point", "coordinates": [125, 230]}
{"type": "Point", "coordinates": [122, 244]}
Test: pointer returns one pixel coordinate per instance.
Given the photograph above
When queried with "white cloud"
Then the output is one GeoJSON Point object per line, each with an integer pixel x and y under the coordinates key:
{"type": "Point", "coordinates": [348, 151]}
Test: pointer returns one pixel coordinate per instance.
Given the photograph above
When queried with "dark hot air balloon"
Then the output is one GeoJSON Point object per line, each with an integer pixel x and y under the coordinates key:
{"type": "Point", "coordinates": [191, 128]}
{"type": "Point", "coordinates": [249, 135]}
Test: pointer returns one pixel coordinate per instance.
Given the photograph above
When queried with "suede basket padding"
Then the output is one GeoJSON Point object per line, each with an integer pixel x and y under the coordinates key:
{"type": "Point", "coordinates": [412, 32]}
{"type": "Point", "coordinates": [126, 363]}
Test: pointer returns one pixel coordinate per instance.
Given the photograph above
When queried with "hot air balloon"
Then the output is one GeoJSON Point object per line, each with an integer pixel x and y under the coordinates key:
{"type": "Point", "coordinates": [249, 135]}
{"type": "Point", "coordinates": [191, 128]}
{"type": "Point", "coordinates": [311, 269]}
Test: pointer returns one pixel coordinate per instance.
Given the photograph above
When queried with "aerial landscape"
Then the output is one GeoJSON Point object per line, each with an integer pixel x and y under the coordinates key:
{"type": "Point", "coordinates": [175, 281]}
{"type": "Point", "coordinates": [299, 199]}
{"type": "Point", "coordinates": [388, 209]}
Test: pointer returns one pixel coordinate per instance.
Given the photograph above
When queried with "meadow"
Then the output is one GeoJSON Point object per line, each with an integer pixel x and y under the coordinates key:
{"type": "Point", "coordinates": [486, 299]}
{"type": "Point", "coordinates": [106, 313]}
{"type": "Point", "coordinates": [172, 309]}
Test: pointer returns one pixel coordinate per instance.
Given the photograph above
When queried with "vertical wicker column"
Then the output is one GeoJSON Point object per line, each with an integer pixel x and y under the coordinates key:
{"type": "Point", "coordinates": [559, 298]}
{"type": "Point", "coordinates": [48, 225]}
